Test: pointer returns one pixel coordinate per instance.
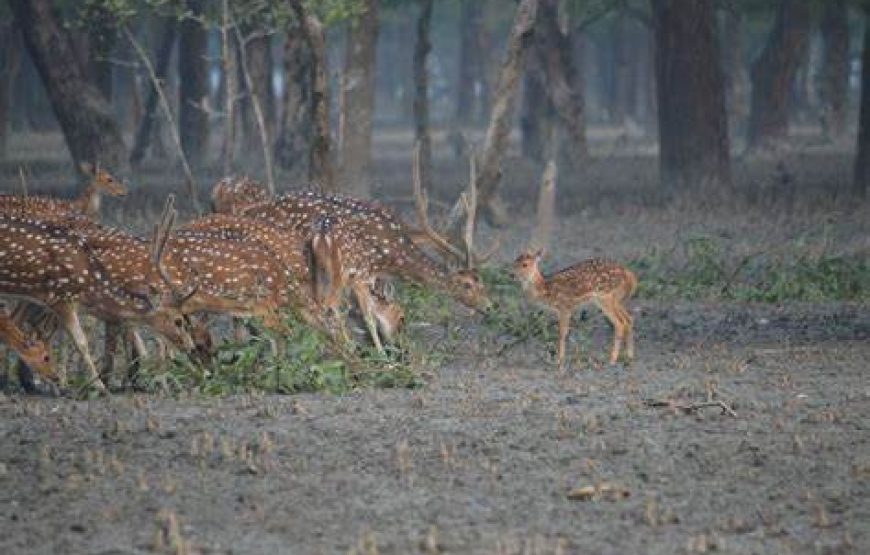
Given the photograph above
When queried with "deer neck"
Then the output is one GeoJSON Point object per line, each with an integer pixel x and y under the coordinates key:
{"type": "Point", "coordinates": [89, 202]}
{"type": "Point", "coordinates": [11, 334]}
{"type": "Point", "coordinates": [534, 285]}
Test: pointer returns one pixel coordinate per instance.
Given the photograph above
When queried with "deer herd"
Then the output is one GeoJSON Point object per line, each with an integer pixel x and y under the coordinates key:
{"type": "Point", "coordinates": [254, 256]}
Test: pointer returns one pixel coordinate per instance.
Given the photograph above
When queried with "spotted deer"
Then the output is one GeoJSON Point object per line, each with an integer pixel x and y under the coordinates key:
{"type": "Point", "coordinates": [230, 273]}
{"type": "Point", "coordinates": [365, 242]}
{"type": "Point", "coordinates": [54, 265]}
{"type": "Point", "coordinates": [231, 195]}
{"type": "Point", "coordinates": [87, 203]}
{"type": "Point", "coordinates": [603, 283]}
{"type": "Point", "coordinates": [34, 352]}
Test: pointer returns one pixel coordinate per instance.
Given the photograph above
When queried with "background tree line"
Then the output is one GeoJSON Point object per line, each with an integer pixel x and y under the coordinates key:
{"type": "Point", "coordinates": [299, 87]}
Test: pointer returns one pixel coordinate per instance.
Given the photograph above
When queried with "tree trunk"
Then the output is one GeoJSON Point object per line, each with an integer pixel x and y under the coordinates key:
{"type": "Point", "coordinates": [421, 93]}
{"type": "Point", "coordinates": [835, 69]}
{"type": "Point", "coordinates": [9, 63]}
{"type": "Point", "coordinates": [693, 126]}
{"type": "Point", "coordinates": [773, 74]}
{"type": "Point", "coordinates": [736, 75]}
{"type": "Point", "coordinates": [861, 181]}
{"type": "Point", "coordinates": [231, 89]}
{"type": "Point", "coordinates": [471, 69]}
{"type": "Point", "coordinates": [359, 101]}
{"type": "Point", "coordinates": [292, 144]}
{"type": "Point", "coordinates": [193, 72]}
{"type": "Point", "coordinates": [620, 86]}
{"type": "Point", "coordinates": [536, 117]}
{"type": "Point", "coordinates": [258, 53]}
{"type": "Point", "coordinates": [147, 126]}
{"type": "Point", "coordinates": [91, 133]}
{"type": "Point", "coordinates": [501, 116]}
{"type": "Point", "coordinates": [101, 41]}
{"type": "Point", "coordinates": [319, 162]}
{"type": "Point", "coordinates": [564, 86]}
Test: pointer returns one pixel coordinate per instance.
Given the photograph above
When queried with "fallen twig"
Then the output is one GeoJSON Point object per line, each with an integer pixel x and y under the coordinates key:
{"type": "Point", "coordinates": [692, 407]}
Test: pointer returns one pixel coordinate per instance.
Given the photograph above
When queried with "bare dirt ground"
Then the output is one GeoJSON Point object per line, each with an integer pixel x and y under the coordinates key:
{"type": "Point", "coordinates": [485, 456]}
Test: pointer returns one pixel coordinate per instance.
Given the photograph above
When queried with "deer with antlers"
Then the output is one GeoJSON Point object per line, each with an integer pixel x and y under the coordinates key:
{"type": "Point", "coordinates": [57, 266]}
{"type": "Point", "coordinates": [227, 270]}
{"type": "Point", "coordinates": [362, 242]}
{"type": "Point", "coordinates": [603, 283]}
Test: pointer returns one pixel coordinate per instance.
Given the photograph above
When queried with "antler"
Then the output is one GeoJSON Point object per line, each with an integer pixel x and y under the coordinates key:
{"type": "Point", "coordinates": [422, 206]}
{"type": "Point", "coordinates": [162, 231]}
{"type": "Point", "coordinates": [467, 202]}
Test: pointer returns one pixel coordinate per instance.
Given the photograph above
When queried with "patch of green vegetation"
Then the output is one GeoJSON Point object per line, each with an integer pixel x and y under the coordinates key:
{"type": "Point", "coordinates": [790, 274]}
{"type": "Point", "coordinates": [306, 361]}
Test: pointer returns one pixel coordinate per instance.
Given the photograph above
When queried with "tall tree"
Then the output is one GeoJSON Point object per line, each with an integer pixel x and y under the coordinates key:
{"type": "Point", "coordinates": [9, 62]}
{"type": "Point", "coordinates": [319, 157]}
{"type": "Point", "coordinates": [693, 128]}
{"type": "Point", "coordinates": [564, 85]}
{"type": "Point", "coordinates": [147, 130]}
{"type": "Point", "coordinates": [85, 117]}
{"type": "Point", "coordinates": [258, 52]}
{"type": "Point", "coordinates": [193, 72]}
{"type": "Point", "coordinates": [421, 93]}
{"type": "Point", "coordinates": [773, 74]}
{"type": "Point", "coordinates": [861, 182]}
{"type": "Point", "coordinates": [501, 115]}
{"type": "Point", "coordinates": [472, 73]}
{"type": "Point", "coordinates": [358, 101]}
{"type": "Point", "coordinates": [293, 137]}
{"type": "Point", "coordinates": [736, 73]}
{"type": "Point", "coordinates": [835, 68]}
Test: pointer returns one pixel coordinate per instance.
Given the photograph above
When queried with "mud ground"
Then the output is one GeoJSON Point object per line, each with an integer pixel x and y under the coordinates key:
{"type": "Point", "coordinates": [485, 456]}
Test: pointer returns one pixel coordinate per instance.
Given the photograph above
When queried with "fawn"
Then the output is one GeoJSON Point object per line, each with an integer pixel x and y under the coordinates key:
{"type": "Point", "coordinates": [231, 195]}
{"type": "Point", "coordinates": [34, 352]}
{"type": "Point", "coordinates": [604, 283]}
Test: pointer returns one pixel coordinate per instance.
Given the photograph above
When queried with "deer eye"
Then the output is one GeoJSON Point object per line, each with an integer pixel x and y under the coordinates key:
{"type": "Point", "coordinates": [179, 322]}
{"type": "Point", "coordinates": [46, 358]}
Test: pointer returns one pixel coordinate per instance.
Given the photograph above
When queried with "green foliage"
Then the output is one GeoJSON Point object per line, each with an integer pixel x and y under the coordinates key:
{"type": "Point", "coordinates": [307, 361]}
{"type": "Point", "coordinates": [787, 275]}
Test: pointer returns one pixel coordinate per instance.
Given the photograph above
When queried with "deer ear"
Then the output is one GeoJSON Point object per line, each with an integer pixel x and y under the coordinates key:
{"type": "Point", "coordinates": [86, 168]}
{"type": "Point", "coordinates": [539, 254]}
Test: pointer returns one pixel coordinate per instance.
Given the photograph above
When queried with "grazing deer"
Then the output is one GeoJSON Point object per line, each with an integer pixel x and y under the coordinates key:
{"type": "Point", "coordinates": [604, 283]}
{"type": "Point", "coordinates": [87, 203]}
{"type": "Point", "coordinates": [53, 265]}
{"type": "Point", "coordinates": [362, 242]}
{"type": "Point", "coordinates": [231, 195]}
{"type": "Point", "coordinates": [35, 353]}
{"type": "Point", "coordinates": [229, 273]}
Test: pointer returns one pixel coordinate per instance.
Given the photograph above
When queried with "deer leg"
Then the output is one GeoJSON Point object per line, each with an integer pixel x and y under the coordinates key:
{"type": "Point", "coordinates": [70, 320]}
{"type": "Point", "coordinates": [564, 327]}
{"type": "Point", "coordinates": [611, 310]}
{"type": "Point", "coordinates": [364, 299]}
{"type": "Point", "coordinates": [628, 341]}
{"type": "Point", "coordinates": [110, 348]}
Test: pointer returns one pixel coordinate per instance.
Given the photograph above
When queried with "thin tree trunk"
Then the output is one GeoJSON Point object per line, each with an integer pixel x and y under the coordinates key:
{"type": "Point", "coordinates": [835, 69]}
{"type": "Point", "coordinates": [536, 117]}
{"type": "Point", "coordinates": [193, 72]}
{"type": "Point", "coordinates": [501, 117]}
{"type": "Point", "coordinates": [231, 89]}
{"type": "Point", "coordinates": [258, 53]}
{"type": "Point", "coordinates": [861, 182]}
{"type": "Point", "coordinates": [9, 63]}
{"type": "Point", "coordinates": [471, 69]}
{"type": "Point", "coordinates": [101, 41]}
{"type": "Point", "coordinates": [91, 132]}
{"type": "Point", "coordinates": [358, 101]}
{"type": "Point", "coordinates": [693, 127]}
{"type": "Point", "coordinates": [736, 73]}
{"type": "Point", "coordinates": [421, 93]}
{"type": "Point", "coordinates": [773, 74]}
{"type": "Point", "coordinates": [564, 86]}
{"type": "Point", "coordinates": [146, 130]}
{"type": "Point", "coordinates": [293, 144]}
{"type": "Point", "coordinates": [319, 161]}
